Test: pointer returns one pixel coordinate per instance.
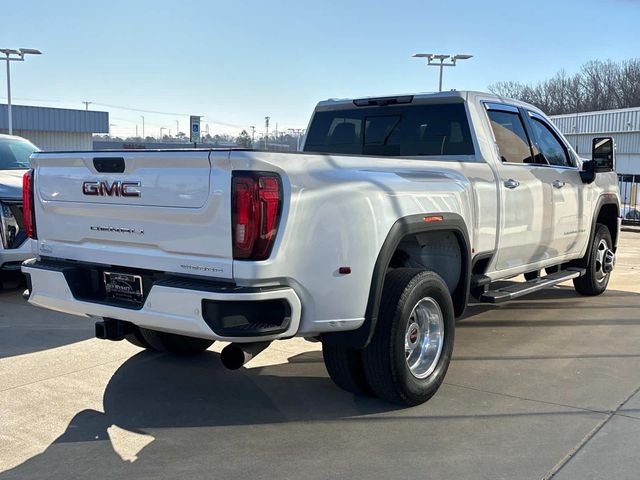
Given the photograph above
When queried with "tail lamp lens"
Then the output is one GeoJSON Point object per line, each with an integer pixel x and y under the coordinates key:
{"type": "Point", "coordinates": [256, 204]}
{"type": "Point", "coordinates": [28, 214]}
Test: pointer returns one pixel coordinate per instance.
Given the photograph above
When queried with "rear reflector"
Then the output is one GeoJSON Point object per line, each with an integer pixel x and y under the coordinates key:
{"type": "Point", "coordinates": [256, 204]}
{"type": "Point", "coordinates": [28, 214]}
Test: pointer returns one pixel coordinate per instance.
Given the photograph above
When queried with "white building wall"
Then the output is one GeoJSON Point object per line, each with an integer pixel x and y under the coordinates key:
{"type": "Point", "coordinates": [622, 124]}
{"type": "Point", "coordinates": [58, 140]}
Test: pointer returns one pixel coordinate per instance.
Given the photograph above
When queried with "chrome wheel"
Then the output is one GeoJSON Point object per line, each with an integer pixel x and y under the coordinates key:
{"type": "Point", "coordinates": [424, 338]}
{"type": "Point", "coordinates": [605, 261]}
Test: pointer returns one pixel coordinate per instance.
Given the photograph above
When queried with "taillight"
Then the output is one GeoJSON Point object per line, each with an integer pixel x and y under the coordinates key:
{"type": "Point", "coordinates": [28, 213]}
{"type": "Point", "coordinates": [256, 203]}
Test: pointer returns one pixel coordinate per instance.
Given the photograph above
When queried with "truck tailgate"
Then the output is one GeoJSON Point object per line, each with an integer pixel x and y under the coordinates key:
{"type": "Point", "coordinates": [162, 210]}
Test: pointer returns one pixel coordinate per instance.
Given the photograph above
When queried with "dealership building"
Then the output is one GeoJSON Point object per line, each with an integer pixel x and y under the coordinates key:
{"type": "Point", "coordinates": [55, 128]}
{"type": "Point", "coordinates": [622, 124]}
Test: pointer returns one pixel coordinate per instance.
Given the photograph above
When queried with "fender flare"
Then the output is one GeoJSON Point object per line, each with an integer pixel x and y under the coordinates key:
{"type": "Point", "coordinates": [604, 199]}
{"type": "Point", "coordinates": [409, 225]}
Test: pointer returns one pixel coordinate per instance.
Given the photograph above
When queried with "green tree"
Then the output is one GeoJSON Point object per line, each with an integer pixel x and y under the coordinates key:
{"type": "Point", "coordinates": [244, 140]}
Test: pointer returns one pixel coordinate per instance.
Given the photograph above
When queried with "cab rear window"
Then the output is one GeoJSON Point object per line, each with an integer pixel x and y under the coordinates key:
{"type": "Point", "coordinates": [398, 130]}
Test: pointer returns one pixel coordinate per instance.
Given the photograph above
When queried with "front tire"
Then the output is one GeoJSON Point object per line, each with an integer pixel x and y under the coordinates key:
{"type": "Point", "coordinates": [409, 354]}
{"type": "Point", "coordinates": [173, 343]}
{"type": "Point", "coordinates": [601, 262]}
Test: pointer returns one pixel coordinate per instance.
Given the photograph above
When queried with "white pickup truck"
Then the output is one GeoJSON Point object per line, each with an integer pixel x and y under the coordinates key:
{"type": "Point", "coordinates": [371, 240]}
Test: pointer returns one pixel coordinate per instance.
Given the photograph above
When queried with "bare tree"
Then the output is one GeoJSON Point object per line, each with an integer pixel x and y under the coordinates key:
{"type": "Point", "coordinates": [599, 85]}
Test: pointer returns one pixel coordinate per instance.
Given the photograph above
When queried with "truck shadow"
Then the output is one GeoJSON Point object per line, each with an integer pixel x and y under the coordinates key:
{"type": "Point", "coordinates": [580, 309]}
{"type": "Point", "coordinates": [154, 394]}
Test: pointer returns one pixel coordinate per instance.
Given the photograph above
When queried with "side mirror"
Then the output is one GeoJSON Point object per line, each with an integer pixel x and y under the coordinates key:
{"type": "Point", "coordinates": [603, 155]}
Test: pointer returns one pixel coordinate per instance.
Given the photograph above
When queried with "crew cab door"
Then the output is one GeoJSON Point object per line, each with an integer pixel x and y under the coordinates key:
{"type": "Point", "coordinates": [569, 213]}
{"type": "Point", "coordinates": [526, 197]}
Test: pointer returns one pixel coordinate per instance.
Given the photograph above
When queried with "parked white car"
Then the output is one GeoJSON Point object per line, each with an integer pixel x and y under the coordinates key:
{"type": "Point", "coordinates": [372, 239]}
{"type": "Point", "coordinates": [15, 246]}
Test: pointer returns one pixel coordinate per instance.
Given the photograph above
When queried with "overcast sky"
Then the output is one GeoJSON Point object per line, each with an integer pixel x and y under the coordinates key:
{"type": "Point", "coordinates": [236, 61]}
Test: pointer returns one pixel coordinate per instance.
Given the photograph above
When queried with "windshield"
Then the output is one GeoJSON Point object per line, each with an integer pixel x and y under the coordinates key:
{"type": "Point", "coordinates": [399, 130]}
{"type": "Point", "coordinates": [14, 154]}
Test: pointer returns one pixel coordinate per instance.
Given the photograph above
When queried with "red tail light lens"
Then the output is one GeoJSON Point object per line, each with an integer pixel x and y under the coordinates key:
{"type": "Point", "coordinates": [256, 204]}
{"type": "Point", "coordinates": [28, 214]}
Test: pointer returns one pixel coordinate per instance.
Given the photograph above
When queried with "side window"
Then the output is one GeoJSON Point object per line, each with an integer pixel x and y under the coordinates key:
{"type": "Point", "coordinates": [550, 146]}
{"type": "Point", "coordinates": [344, 131]}
{"type": "Point", "coordinates": [510, 136]}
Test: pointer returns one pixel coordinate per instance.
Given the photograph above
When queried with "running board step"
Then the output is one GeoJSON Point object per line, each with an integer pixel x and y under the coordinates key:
{"type": "Point", "coordinates": [518, 290]}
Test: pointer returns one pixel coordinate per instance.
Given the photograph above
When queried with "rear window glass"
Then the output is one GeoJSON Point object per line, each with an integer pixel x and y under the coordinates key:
{"type": "Point", "coordinates": [406, 130]}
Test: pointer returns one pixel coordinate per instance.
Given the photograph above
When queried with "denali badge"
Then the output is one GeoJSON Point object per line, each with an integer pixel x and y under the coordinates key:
{"type": "Point", "coordinates": [115, 189]}
{"type": "Point", "coordinates": [106, 228]}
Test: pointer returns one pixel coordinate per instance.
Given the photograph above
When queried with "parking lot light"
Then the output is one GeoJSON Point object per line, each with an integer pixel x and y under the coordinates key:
{"type": "Point", "coordinates": [10, 55]}
{"type": "Point", "coordinates": [438, 60]}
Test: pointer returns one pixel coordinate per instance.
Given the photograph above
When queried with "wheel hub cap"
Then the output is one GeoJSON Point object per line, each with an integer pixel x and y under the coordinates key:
{"type": "Point", "coordinates": [424, 338]}
{"type": "Point", "coordinates": [605, 261]}
{"type": "Point", "coordinates": [609, 261]}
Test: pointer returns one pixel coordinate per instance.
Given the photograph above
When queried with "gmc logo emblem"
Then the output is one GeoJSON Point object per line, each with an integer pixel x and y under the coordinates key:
{"type": "Point", "coordinates": [115, 189]}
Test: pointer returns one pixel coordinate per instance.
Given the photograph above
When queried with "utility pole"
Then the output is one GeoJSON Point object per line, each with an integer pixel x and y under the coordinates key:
{"type": "Point", "coordinates": [253, 135]}
{"type": "Point", "coordinates": [86, 105]}
{"type": "Point", "coordinates": [432, 60]}
{"type": "Point", "coordinates": [266, 136]}
{"type": "Point", "coordinates": [136, 130]}
{"type": "Point", "coordinates": [12, 55]}
{"type": "Point", "coordinates": [177, 127]}
{"type": "Point", "coordinates": [161, 129]}
{"type": "Point", "coordinates": [298, 134]}
{"type": "Point", "coordinates": [142, 117]}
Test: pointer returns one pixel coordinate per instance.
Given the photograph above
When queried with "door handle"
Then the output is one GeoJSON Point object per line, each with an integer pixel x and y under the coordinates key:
{"type": "Point", "coordinates": [558, 183]}
{"type": "Point", "coordinates": [511, 183]}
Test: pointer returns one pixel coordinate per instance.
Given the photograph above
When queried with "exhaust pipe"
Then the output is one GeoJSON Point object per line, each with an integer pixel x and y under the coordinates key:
{"type": "Point", "coordinates": [235, 355]}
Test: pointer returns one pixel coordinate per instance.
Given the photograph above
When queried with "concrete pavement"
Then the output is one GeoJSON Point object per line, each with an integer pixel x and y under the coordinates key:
{"type": "Point", "coordinates": [547, 386]}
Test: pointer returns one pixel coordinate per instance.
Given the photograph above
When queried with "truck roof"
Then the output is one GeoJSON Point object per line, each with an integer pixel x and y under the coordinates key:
{"type": "Point", "coordinates": [425, 97]}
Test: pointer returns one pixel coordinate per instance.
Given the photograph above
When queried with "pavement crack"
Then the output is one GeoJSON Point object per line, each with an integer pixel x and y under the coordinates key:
{"type": "Point", "coordinates": [526, 399]}
{"type": "Point", "coordinates": [587, 438]}
{"type": "Point", "coordinates": [71, 372]}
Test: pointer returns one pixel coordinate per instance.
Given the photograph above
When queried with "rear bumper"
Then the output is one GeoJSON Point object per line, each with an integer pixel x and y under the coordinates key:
{"type": "Point", "coordinates": [175, 307]}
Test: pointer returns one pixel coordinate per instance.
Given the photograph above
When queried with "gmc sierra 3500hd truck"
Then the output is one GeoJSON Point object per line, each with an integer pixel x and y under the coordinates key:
{"type": "Point", "coordinates": [372, 239]}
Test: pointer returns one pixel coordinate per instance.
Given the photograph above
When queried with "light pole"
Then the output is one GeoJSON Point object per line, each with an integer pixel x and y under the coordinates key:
{"type": "Point", "coordinates": [111, 125]}
{"type": "Point", "coordinates": [142, 117]}
{"type": "Point", "coordinates": [253, 136]}
{"type": "Point", "coordinates": [12, 55]}
{"type": "Point", "coordinates": [266, 136]}
{"type": "Point", "coordinates": [437, 60]}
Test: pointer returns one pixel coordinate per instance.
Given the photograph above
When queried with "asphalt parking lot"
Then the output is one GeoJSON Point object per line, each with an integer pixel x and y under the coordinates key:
{"type": "Point", "coordinates": [547, 386]}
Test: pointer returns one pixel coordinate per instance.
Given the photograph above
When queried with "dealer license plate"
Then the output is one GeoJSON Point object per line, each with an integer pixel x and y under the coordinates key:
{"type": "Point", "coordinates": [123, 286]}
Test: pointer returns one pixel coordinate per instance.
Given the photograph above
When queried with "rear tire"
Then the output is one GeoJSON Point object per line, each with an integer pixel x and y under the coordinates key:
{"type": "Point", "coordinates": [408, 356]}
{"type": "Point", "coordinates": [596, 279]}
{"type": "Point", "coordinates": [172, 343]}
{"type": "Point", "coordinates": [136, 338]}
{"type": "Point", "coordinates": [346, 369]}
